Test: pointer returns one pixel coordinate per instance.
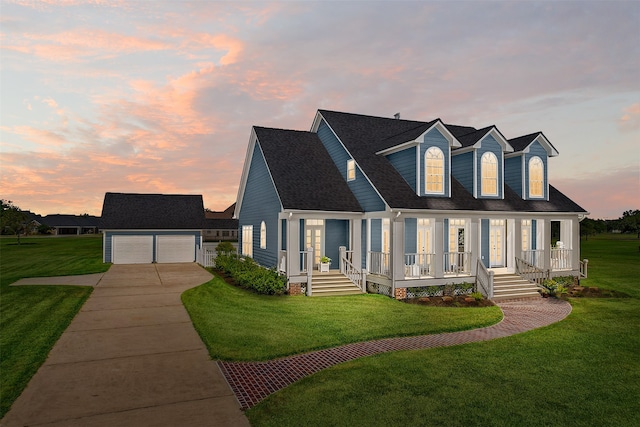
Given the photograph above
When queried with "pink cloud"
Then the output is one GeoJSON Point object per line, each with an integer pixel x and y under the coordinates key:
{"type": "Point", "coordinates": [605, 196]}
{"type": "Point", "coordinates": [630, 120]}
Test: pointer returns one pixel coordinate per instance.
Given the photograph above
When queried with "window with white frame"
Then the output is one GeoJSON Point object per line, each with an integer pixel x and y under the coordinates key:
{"type": "Point", "coordinates": [351, 170]}
{"type": "Point", "coordinates": [526, 234]}
{"type": "Point", "coordinates": [457, 235]}
{"type": "Point", "coordinates": [263, 235]}
{"type": "Point", "coordinates": [489, 174]}
{"type": "Point", "coordinates": [247, 240]}
{"type": "Point", "coordinates": [536, 177]}
{"type": "Point", "coordinates": [434, 171]}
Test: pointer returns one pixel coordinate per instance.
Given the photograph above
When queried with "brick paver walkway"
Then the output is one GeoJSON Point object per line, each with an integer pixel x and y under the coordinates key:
{"type": "Point", "coordinates": [253, 381]}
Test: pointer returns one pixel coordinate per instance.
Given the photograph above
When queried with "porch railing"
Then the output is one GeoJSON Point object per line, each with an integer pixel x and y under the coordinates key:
{"type": "Point", "coordinates": [304, 257]}
{"type": "Point", "coordinates": [282, 261]}
{"type": "Point", "coordinates": [584, 264]}
{"type": "Point", "coordinates": [351, 271]}
{"type": "Point", "coordinates": [561, 259]}
{"type": "Point", "coordinates": [534, 257]}
{"type": "Point", "coordinates": [457, 263]}
{"type": "Point", "coordinates": [418, 265]}
{"type": "Point", "coordinates": [379, 263]}
{"type": "Point", "coordinates": [484, 280]}
{"type": "Point", "coordinates": [531, 272]}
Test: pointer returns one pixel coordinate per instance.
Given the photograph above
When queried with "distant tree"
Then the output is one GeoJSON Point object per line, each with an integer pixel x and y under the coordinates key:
{"type": "Point", "coordinates": [587, 228]}
{"type": "Point", "coordinates": [13, 220]}
{"type": "Point", "coordinates": [630, 222]}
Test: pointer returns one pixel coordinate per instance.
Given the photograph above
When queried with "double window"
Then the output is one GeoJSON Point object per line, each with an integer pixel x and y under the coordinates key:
{"type": "Point", "coordinates": [536, 177]}
{"type": "Point", "coordinates": [434, 171]}
{"type": "Point", "coordinates": [489, 174]}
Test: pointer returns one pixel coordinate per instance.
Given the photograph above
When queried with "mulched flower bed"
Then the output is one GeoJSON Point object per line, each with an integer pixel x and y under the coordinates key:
{"type": "Point", "coordinates": [458, 301]}
{"type": "Point", "coordinates": [577, 291]}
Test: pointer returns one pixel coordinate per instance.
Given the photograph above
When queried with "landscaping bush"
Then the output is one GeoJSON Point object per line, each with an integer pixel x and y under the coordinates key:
{"type": "Point", "coordinates": [248, 274]}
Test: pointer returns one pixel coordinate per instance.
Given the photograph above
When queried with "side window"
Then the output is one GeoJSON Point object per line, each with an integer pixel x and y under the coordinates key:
{"type": "Point", "coordinates": [536, 177]}
{"type": "Point", "coordinates": [489, 174]}
{"type": "Point", "coordinates": [434, 171]}
{"type": "Point", "coordinates": [263, 235]}
{"type": "Point", "coordinates": [247, 240]}
{"type": "Point", "coordinates": [351, 170]}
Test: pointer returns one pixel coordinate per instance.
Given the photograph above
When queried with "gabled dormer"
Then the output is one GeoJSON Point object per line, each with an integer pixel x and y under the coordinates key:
{"type": "Point", "coordinates": [423, 157]}
{"type": "Point", "coordinates": [526, 169]}
{"type": "Point", "coordinates": [479, 163]}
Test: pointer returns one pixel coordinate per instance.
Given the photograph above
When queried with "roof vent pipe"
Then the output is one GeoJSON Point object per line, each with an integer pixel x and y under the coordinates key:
{"type": "Point", "coordinates": [397, 116]}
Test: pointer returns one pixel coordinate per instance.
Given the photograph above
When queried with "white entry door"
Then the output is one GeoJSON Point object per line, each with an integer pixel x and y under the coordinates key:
{"type": "Point", "coordinates": [496, 243]}
{"type": "Point", "coordinates": [314, 229]}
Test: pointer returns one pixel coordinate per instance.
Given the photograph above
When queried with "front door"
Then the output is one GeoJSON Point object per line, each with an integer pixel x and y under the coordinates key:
{"type": "Point", "coordinates": [496, 243]}
{"type": "Point", "coordinates": [314, 229]}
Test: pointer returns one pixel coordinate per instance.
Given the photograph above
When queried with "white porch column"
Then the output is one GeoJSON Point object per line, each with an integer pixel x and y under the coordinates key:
{"type": "Point", "coordinates": [368, 258]}
{"type": "Point", "coordinates": [474, 244]}
{"type": "Point", "coordinates": [397, 250]}
{"type": "Point", "coordinates": [546, 243]}
{"type": "Point", "coordinates": [516, 249]}
{"type": "Point", "coordinates": [356, 242]}
{"type": "Point", "coordinates": [293, 247]}
{"type": "Point", "coordinates": [575, 244]}
{"type": "Point", "coordinates": [438, 242]}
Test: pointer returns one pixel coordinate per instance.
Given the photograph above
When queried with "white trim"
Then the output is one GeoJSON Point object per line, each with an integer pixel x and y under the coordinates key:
{"type": "Point", "coordinates": [397, 148]}
{"type": "Point", "coordinates": [438, 125]}
{"type": "Point", "coordinates": [475, 174]}
{"type": "Point", "coordinates": [418, 170]}
{"type": "Point", "coordinates": [499, 139]}
{"type": "Point", "coordinates": [351, 163]}
{"type": "Point", "coordinates": [426, 192]}
{"type": "Point", "coordinates": [486, 155]}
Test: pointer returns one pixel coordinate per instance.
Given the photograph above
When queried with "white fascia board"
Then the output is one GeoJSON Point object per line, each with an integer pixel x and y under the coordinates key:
{"type": "Point", "coordinates": [551, 150]}
{"type": "Point", "coordinates": [398, 148]}
{"type": "Point", "coordinates": [495, 133]}
{"type": "Point", "coordinates": [453, 142]}
{"type": "Point", "coordinates": [414, 213]}
{"type": "Point", "coordinates": [312, 214]}
{"type": "Point", "coordinates": [316, 124]}
{"type": "Point", "coordinates": [253, 140]}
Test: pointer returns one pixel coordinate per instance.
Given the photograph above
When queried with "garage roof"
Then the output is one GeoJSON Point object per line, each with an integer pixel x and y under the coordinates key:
{"type": "Point", "coordinates": [123, 211]}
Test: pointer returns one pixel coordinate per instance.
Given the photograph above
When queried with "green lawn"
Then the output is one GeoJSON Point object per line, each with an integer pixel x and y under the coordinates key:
{"type": "Point", "coordinates": [32, 318]}
{"type": "Point", "coordinates": [583, 371]}
{"type": "Point", "coordinates": [236, 324]}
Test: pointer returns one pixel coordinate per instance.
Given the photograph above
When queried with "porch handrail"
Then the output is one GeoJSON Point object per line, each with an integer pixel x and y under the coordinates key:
{"type": "Point", "coordinates": [309, 269]}
{"type": "Point", "coordinates": [531, 272]}
{"type": "Point", "coordinates": [350, 270]}
{"type": "Point", "coordinates": [457, 263]}
{"type": "Point", "coordinates": [282, 261]}
{"type": "Point", "coordinates": [418, 264]}
{"type": "Point", "coordinates": [484, 278]}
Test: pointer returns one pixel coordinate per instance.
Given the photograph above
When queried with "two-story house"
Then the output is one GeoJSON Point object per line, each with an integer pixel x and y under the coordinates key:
{"type": "Point", "coordinates": [400, 204]}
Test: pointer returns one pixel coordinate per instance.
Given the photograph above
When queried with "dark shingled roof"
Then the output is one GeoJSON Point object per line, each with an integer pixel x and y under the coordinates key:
{"type": "Point", "coordinates": [522, 142]}
{"type": "Point", "coordinates": [222, 223]}
{"type": "Point", "coordinates": [152, 211]}
{"type": "Point", "coordinates": [303, 172]}
{"type": "Point", "coordinates": [363, 136]}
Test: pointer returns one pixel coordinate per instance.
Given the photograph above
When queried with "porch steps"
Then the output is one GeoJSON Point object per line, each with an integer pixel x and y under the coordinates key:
{"type": "Point", "coordinates": [510, 286]}
{"type": "Point", "coordinates": [331, 284]}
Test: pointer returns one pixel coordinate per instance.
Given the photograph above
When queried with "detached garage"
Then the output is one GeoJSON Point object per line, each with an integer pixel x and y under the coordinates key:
{"type": "Point", "coordinates": [146, 228]}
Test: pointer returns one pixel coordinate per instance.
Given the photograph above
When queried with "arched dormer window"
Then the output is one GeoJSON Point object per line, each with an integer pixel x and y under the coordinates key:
{"type": "Point", "coordinates": [536, 177]}
{"type": "Point", "coordinates": [489, 174]}
{"type": "Point", "coordinates": [434, 171]}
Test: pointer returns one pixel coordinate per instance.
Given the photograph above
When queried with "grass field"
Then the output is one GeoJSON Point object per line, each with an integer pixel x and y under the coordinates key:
{"type": "Point", "coordinates": [32, 318]}
{"type": "Point", "coordinates": [236, 324]}
{"type": "Point", "coordinates": [583, 371]}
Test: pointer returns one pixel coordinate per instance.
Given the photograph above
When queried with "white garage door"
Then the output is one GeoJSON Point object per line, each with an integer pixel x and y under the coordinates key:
{"type": "Point", "coordinates": [132, 249]}
{"type": "Point", "coordinates": [176, 249]}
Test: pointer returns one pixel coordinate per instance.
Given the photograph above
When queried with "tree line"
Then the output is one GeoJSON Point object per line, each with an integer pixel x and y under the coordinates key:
{"type": "Point", "coordinates": [629, 223]}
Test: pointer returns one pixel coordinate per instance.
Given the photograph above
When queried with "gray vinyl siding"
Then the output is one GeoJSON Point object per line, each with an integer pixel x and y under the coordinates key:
{"type": "Point", "coordinates": [260, 202]}
{"type": "Point", "coordinates": [108, 239]}
{"type": "Point", "coordinates": [484, 241]}
{"type": "Point", "coordinates": [336, 235]}
{"type": "Point", "coordinates": [489, 144]}
{"type": "Point", "coordinates": [360, 187]}
{"type": "Point", "coordinates": [405, 163]}
{"type": "Point", "coordinates": [376, 235]}
{"type": "Point", "coordinates": [462, 170]}
{"type": "Point", "coordinates": [435, 139]}
{"type": "Point", "coordinates": [535, 149]}
{"type": "Point", "coordinates": [513, 174]}
{"type": "Point", "coordinates": [410, 235]}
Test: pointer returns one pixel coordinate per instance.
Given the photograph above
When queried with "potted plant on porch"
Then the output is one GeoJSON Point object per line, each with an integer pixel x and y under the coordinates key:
{"type": "Point", "coordinates": [325, 262]}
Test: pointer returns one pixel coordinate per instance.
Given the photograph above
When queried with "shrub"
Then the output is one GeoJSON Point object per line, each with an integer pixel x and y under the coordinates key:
{"type": "Point", "coordinates": [225, 248]}
{"type": "Point", "coordinates": [433, 291]}
{"type": "Point", "coordinates": [477, 296]}
{"type": "Point", "coordinates": [248, 274]}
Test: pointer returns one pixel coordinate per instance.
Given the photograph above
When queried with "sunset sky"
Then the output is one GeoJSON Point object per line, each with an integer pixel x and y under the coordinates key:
{"type": "Point", "coordinates": [160, 96]}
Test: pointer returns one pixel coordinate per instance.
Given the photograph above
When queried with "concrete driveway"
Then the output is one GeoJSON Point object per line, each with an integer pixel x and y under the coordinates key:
{"type": "Point", "coordinates": [131, 357]}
